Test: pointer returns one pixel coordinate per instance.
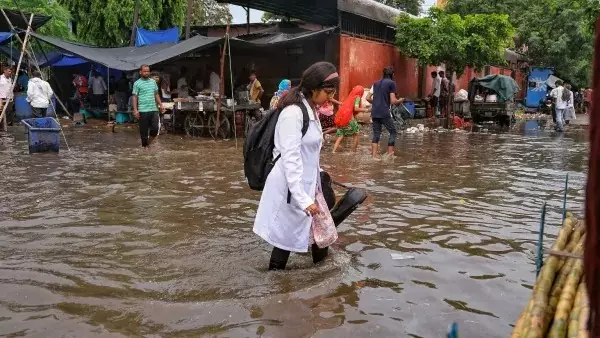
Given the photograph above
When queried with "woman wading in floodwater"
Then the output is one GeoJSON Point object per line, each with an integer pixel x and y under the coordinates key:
{"type": "Point", "coordinates": [291, 197]}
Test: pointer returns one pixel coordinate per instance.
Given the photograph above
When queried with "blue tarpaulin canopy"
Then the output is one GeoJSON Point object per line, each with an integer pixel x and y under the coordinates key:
{"type": "Point", "coordinates": [145, 37]}
{"type": "Point", "coordinates": [68, 61]}
{"type": "Point", "coordinates": [5, 36]}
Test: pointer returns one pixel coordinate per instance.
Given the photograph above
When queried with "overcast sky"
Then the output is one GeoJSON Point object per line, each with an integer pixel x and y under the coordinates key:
{"type": "Point", "coordinates": [239, 14]}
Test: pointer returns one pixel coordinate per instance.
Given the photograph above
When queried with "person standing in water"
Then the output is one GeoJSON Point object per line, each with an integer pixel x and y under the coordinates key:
{"type": "Point", "coordinates": [384, 95]}
{"type": "Point", "coordinates": [288, 203]}
{"type": "Point", "coordinates": [146, 105]}
{"type": "Point", "coordinates": [351, 105]}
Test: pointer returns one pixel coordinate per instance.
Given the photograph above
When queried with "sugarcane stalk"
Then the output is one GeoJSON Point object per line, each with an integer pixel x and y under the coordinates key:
{"type": "Point", "coordinates": [561, 279]}
{"type": "Point", "coordinates": [521, 321]}
{"type": "Point", "coordinates": [565, 304]}
{"type": "Point", "coordinates": [573, 331]}
{"type": "Point", "coordinates": [537, 323]}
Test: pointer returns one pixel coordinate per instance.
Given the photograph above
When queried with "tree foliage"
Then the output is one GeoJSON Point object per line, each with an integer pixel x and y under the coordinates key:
{"type": "Point", "coordinates": [59, 24]}
{"type": "Point", "coordinates": [556, 33]}
{"type": "Point", "coordinates": [210, 12]}
{"type": "Point", "coordinates": [409, 6]}
{"type": "Point", "coordinates": [108, 22]}
{"type": "Point", "coordinates": [269, 17]}
{"type": "Point", "coordinates": [474, 41]}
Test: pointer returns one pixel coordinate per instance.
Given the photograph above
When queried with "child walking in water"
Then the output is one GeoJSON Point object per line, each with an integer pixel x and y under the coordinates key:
{"type": "Point", "coordinates": [350, 108]}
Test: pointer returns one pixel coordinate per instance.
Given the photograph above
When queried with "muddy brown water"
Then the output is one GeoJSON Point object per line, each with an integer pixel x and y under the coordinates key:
{"type": "Point", "coordinates": [109, 240]}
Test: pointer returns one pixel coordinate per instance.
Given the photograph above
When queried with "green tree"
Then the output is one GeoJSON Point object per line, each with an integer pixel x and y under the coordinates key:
{"type": "Point", "coordinates": [107, 23]}
{"type": "Point", "coordinates": [58, 26]}
{"type": "Point", "coordinates": [269, 17]}
{"type": "Point", "coordinates": [210, 12]}
{"type": "Point", "coordinates": [474, 41]}
{"type": "Point", "coordinates": [409, 6]}
{"type": "Point", "coordinates": [556, 33]}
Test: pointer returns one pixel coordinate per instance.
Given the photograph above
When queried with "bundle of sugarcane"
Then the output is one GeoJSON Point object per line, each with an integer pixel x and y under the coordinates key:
{"type": "Point", "coordinates": [559, 305]}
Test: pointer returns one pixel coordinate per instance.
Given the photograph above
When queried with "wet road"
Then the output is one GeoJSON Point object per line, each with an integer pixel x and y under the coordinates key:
{"type": "Point", "coordinates": [113, 241]}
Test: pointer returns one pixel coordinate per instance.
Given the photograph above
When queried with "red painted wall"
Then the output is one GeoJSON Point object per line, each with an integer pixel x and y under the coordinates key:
{"type": "Point", "coordinates": [362, 62]}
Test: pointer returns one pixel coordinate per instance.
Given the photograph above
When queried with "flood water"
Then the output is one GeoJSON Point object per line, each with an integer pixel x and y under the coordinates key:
{"type": "Point", "coordinates": [110, 240]}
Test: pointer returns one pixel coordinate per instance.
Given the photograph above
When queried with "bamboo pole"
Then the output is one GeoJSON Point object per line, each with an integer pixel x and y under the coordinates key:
{"type": "Point", "coordinates": [23, 48]}
{"type": "Point", "coordinates": [136, 14]}
{"type": "Point", "coordinates": [221, 83]}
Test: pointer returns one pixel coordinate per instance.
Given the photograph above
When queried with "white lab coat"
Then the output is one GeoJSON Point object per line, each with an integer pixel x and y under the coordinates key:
{"type": "Point", "coordinates": [284, 225]}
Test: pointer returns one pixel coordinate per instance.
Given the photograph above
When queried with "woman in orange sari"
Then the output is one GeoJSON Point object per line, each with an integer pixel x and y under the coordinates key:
{"type": "Point", "coordinates": [348, 110]}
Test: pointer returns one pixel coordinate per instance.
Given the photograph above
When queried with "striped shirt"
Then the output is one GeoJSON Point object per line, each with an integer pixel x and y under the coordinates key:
{"type": "Point", "coordinates": [145, 90]}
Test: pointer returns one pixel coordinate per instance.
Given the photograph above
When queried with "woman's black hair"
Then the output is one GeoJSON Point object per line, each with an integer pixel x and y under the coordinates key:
{"type": "Point", "coordinates": [312, 78]}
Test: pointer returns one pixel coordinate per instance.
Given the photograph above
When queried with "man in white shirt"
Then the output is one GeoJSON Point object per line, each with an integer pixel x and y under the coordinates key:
{"type": "Point", "coordinates": [39, 94]}
{"type": "Point", "coordinates": [215, 81]}
{"type": "Point", "coordinates": [6, 95]}
{"type": "Point", "coordinates": [182, 85]}
{"type": "Point", "coordinates": [561, 98]}
{"type": "Point", "coordinates": [98, 90]}
{"type": "Point", "coordinates": [436, 89]}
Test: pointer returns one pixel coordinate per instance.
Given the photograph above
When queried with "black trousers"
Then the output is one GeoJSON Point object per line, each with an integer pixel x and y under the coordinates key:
{"type": "Point", "coordinates": [378, 122]}
{"type": "Point", "coordinates": [279, 257]}
{"type": "Point", "coordinates": [39, 112]}
{"type": "Point", "coordinates": [148, 126]}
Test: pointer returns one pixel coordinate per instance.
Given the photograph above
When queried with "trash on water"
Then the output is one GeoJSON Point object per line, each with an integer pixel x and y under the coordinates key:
{"type": "Point", "coordinates": [398, 257]}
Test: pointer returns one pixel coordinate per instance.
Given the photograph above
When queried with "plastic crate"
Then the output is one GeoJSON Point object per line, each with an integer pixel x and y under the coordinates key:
{"type": "Point", "coordinates": [43, 134]}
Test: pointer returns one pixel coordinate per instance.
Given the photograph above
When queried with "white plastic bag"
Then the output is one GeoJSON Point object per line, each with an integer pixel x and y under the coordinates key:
{"type": "Point", "coordinates": [461, 96]}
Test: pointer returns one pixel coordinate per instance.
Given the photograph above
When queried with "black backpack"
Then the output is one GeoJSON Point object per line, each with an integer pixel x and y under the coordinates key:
{"type": "Point", "coordinates": [259, 145]}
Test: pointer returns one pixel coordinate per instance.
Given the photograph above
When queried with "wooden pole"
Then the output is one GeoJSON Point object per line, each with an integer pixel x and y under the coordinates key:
{"type": "Point", "coordinates": [136, 14]}
{"type": "Point", "coordinates": [188, 18]}
{"type": "Point", "coordinates": [248, 19]}
{"type": "Point", "coordinates": [221, 83]}
{"type": "Point", "coordinates": [23, 49]}
{"type": "Point", "coordinates": [32, 56]}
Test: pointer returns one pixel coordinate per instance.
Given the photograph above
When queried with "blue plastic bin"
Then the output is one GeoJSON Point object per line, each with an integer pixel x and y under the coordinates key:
{"type": "Point", "coordinates": [22, 107]}
{"type": "Point", "coordinates": [43, 134]}
{"type": "Point", "coordinates": [410, 106]}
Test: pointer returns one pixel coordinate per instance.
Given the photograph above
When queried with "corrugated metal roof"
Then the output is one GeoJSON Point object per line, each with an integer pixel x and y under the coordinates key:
{"type": "Point", "coordinates": [324, 12]}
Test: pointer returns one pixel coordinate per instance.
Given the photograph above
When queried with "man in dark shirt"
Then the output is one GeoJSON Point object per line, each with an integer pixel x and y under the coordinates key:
{"type": "Point", "coordinates": [382, 96]}
{"type": "Point", "coordinates": [122, 93]}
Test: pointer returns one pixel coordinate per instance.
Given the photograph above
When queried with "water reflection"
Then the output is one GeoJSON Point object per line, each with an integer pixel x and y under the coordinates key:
{"type": "Point", "coordinates": [113, 240]}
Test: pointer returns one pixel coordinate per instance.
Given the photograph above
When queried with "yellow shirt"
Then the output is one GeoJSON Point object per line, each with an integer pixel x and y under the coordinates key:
{"type": "Point", "coordinates": [255, 90]}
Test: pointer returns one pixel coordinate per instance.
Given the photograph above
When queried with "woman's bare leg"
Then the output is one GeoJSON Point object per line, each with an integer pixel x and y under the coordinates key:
{"type": "Point", "coordinates": [355, 139]}
{"type": "Point", "coordinates": [337, 143]}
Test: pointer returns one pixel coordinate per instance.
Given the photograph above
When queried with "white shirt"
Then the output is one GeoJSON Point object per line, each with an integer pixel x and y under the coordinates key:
{"type": "Point", "coordinates": [284, 225]}
{"type": "Point", "coordinates": [571, 103]}
{"type": "Point", "coordinates": [5, 84]}
{"type": "Point", "coordinates": [556, 93]}
{"type": "Point", "coordinates": [98, 86]}
{"type": "Point", "coordinates": [39, 93]}
{"type": "Point", "coordinates": [214, 82]}
{"type": "Point", "coordinates": [182, 88]}
{"type": "Point", "coordinates": [437, 86]}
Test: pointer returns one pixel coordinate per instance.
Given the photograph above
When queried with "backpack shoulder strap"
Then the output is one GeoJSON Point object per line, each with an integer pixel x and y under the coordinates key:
{"type": "Point", "coordinates": [305, 118]}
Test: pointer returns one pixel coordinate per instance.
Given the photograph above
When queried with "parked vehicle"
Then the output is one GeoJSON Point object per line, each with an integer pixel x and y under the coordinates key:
{"type": "Point", "coordinates": [492, 99]}
{"type": "Point", "coordinates": [537, 86]}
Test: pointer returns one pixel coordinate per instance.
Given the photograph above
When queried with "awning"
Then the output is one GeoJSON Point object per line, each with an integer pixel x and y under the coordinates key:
{"type": "Point", "coordinates": [131, 58]}
{"type": "Point", "coordinates": [276, 38]}
{"type": "Point", "coordinates": [17, 20]}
